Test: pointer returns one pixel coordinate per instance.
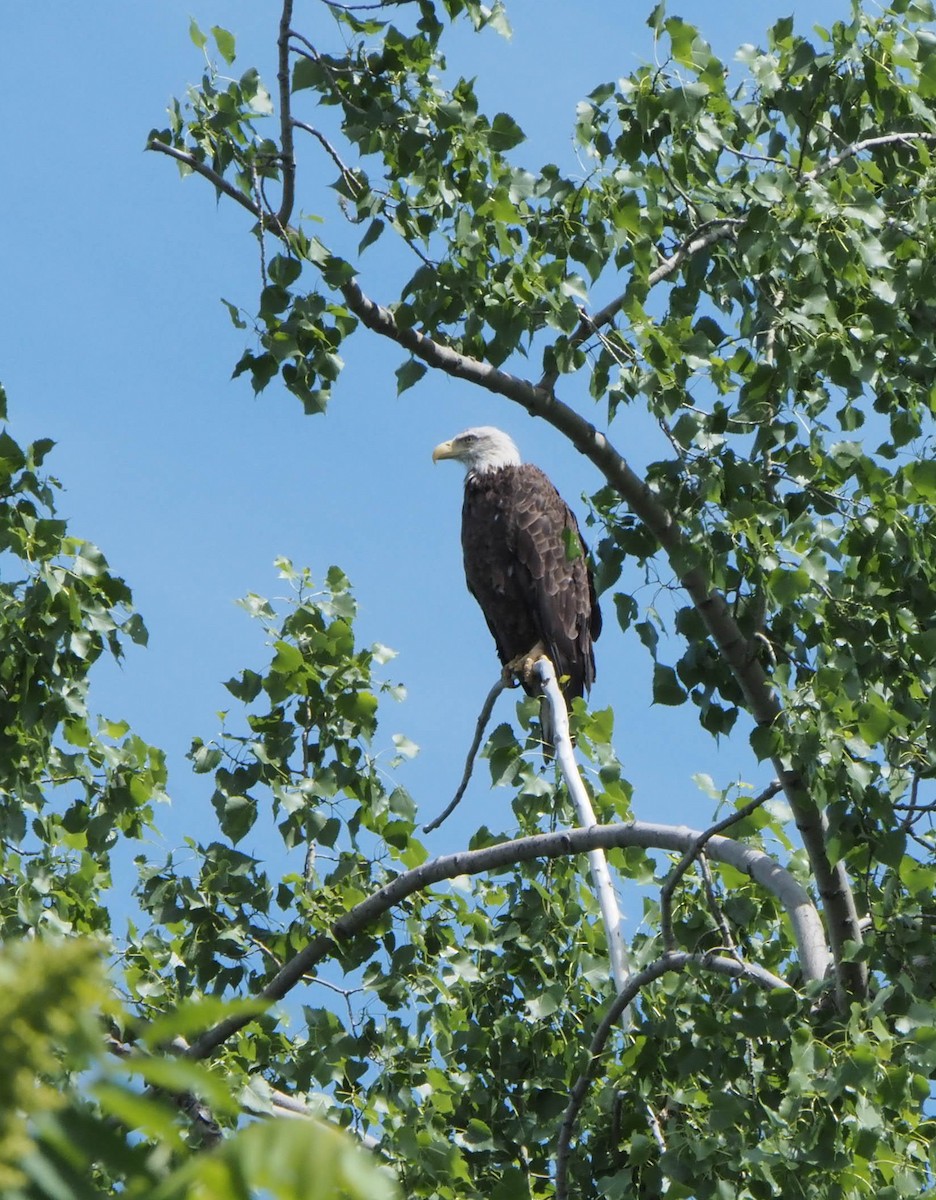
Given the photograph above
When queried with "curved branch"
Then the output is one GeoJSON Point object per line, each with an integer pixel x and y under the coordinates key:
{"type": "Point", "coordinates": [697, 847]}
{"type": "Point", "coordinates": [670, 961]}
{"type": "Point", "coordinates": [483, 717]}
{"type": "Point", "coordinates": [807, 927]}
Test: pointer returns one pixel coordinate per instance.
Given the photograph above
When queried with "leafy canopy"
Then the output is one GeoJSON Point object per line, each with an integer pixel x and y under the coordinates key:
{"type": "Point", "coordinates": [747, 262]}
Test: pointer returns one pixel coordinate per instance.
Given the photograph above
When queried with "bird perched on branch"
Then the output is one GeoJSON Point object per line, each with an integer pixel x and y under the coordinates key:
{"type": "Point", "coordinates": [525, 564]}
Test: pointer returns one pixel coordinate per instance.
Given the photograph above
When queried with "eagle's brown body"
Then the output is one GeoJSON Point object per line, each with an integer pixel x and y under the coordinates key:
{"type": "Point", "coordinates": [525, 563]}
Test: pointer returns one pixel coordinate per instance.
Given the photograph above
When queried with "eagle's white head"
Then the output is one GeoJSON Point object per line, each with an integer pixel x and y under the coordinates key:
{"type": "Point", "coordinates": [479, 450]}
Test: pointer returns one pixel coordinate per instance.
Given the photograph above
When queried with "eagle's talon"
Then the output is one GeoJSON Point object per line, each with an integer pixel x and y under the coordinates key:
{"type": "Point", "coordinates": [522, 669]}
{"type": "Point", "coordinates": [509, 676]}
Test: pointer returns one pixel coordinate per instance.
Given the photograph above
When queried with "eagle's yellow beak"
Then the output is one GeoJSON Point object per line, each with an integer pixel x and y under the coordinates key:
{"type": "Point", "coordinates": [444, 450]}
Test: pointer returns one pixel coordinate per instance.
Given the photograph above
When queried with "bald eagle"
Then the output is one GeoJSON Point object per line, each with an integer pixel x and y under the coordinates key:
{"type": "Point", "coordinates": [525, 563]}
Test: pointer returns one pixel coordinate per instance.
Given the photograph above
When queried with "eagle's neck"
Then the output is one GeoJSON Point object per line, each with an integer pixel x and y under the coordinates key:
{"type": "Point", "coordinates": [495, 458]}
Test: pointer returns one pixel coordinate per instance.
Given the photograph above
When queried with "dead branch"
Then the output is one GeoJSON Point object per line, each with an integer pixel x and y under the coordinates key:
{"type": "Point", "coordinates": [483, 717]}
{"type": "Point", "coordinates": [597, 859]}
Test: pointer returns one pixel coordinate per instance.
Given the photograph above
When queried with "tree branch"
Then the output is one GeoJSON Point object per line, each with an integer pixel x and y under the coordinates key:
{"type": "Point", "coordinates": [330, 150]}
{"type": "Point", "coordinates": [597, 859]}
{"type": "Point", "coordinates": [286, 126]}
{"type": "Point", "coordinates": [886, 139]}
{"type": "Point", "coordinates": [670, 961]}
{"type": "Point", "coordinates": [706, 235]}
{"type": "Point", "coordinates": [717, 230]}
{"type": "Point", "coordinates": [807, 928]}
{"type": "Point", "coordinates": [483, 717]}
{"type": "Point", "coordinates": [697, 847]}
{"type": "Point", "coordinates": [214, 178]}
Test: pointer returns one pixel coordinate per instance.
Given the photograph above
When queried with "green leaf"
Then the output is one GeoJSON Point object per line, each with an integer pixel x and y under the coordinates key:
{"type": "Point", "coordinates": [409, 373]}
{"type": "Point", "coordinates": [225, 43]}
{"type": "Point", "coordinates": [505, 133]}
{"type": "Point", "coordinates": [922, 477]}
{"type": "Point", "coordinates": [196, 35]}
{"type": "Point", "coordinates": [666, 687]}
{"type": "Point", "coordinates": [292, 1160]}
{"type": "Point", "coordinates": [787, 586]}
{"type": "Point", "coordinates": [307, 73]}
{"type": "Point", "coordinates": [374, 230]}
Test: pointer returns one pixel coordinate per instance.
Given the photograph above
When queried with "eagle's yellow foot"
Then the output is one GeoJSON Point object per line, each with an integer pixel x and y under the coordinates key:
{"type": "Point", "coordinates": [523, 667]}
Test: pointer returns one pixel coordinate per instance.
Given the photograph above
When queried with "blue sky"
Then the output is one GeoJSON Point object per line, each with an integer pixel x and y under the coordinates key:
{"type": "Point", "coordinates": [115, 344]}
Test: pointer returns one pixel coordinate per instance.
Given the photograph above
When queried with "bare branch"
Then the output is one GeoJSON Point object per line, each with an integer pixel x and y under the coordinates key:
{"type": "Point", "coordinates": [597, 859]}
{"type": "Point", "coordinates": [483, 717]}
{"type": "Point", "coordinates": [346, 173]}
{"type": "Point", "coordinates": [697, 848]}
{"type": "Point", "coordinates": [286, 126]}
{"type": "Point", "coordinates": [807, 927]}
{"type": "Point", "coordinates": [200, 168]}
{"type": "Point", "coordinates": [670, 961]}
{"type": "Point", "coordinates": [886, 139]}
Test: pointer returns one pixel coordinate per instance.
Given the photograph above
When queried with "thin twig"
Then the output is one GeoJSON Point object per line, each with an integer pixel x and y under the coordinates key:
{"type": "Point", "coordinates": [913, 808]}
{"type": "Point", "coordinates": [697, 847]}
{"type": "Point", "coordinates": [346, 174]}
{"type": "Point", "coordinates": [223, 185]}
{"type": "Point", "coordinates": [718, 915]}
{"type": "Point", "coordinates": [483, 717]}
{"type": "Point", "coordinates": [707, 234]}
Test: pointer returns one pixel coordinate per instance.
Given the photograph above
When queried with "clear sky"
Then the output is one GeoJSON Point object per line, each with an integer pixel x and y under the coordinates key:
{"type": "Point", "coordinates": [115, 344]}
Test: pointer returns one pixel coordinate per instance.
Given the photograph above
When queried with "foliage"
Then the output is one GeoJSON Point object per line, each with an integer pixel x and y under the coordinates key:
{"type": "Point", "coordinates": [54, 997]}
{"type": "Point", "coordinates": [748, 260]}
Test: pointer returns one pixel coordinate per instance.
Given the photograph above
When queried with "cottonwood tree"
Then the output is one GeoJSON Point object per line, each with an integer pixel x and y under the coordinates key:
{"type": "Point", "coordinates": [749, 260]}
